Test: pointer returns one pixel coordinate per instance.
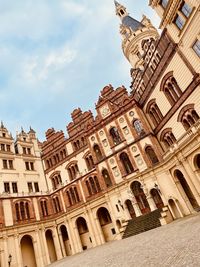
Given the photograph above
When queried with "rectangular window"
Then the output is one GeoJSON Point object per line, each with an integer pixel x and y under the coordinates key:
{"type": "Point", "coordinates": [5, 165]}
{"type": "Point", "coordinates": [10, 162]}
{"type": "Point", "coordinates": [29, 150]}
{"type": "Point", "coordinates": [2, 147]}
{"type": "Point", "coordinates": [179, 21]}
{"type": "Point", "coordinates": [30, 187]}
{"type": "Point", "coordinates": [32, 166]}
{"type": "Point", "coordinates": [36, 187]}
{"type": "Point", "coordinates": [8, 148]}
{"type": "Point", "coordinates": [196, 47]}
{"type": "Point", "coordinates": [24, 150]}
{"type": "Point", "coordinates": [7, 187]}
{"type": "Point", "coordinates": [186, 10]}
{"type": "Point", "coordinates": [14, 187]}
{"type": "Point", "coordinates": [27, 165]}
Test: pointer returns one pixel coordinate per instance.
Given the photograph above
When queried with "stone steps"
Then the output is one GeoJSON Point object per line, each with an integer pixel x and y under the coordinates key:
{"type": "Point", "coordinates": [143, 223]}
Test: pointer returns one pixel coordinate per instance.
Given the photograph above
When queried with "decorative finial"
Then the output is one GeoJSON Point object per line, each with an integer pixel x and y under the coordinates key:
{"type": "Point", "coordinates": [116, 3]}
{"type": "Point", "coordinates": [31, 130]}
{"type": "Point", "coordinates": [2, 125]}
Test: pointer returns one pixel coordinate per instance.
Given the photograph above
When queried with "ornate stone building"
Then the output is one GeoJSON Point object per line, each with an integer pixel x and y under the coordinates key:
{"type": "Point", "coordinates": [139, 153]}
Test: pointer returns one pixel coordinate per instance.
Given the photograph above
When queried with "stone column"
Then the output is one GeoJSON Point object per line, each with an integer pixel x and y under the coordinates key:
{"type": "Point", "coordinates": [90, 227]}
{"type": "Point", "coordinates": [45, 247]}
{"type": "Point", "coordinates": [63, 202]}
{"type": "Point", "coordinates": [71, 235]}
{"type": "Point", "coordinates": [5, 251]}
{"type": "Point", "coordinates": [137, 209]}
{"type": "Point", "coordinates": [78, 244]}
{"type": "Point", "coordinates": [38, 250]}
{"type": "Point", "coordinates": [57, 243]}
{"type": "Point", "coordinates": [17, 250]}
{"type": "Point", "coordinates": [62, 243]}
{"type": "Point", "coordinates": [81, 190]}
{"type": "Point", "coordinates": [99, 233]}
{"type": "Point", "coordinates": [192, 180]}
{"type": "Point", "coordinates": [151, 203]}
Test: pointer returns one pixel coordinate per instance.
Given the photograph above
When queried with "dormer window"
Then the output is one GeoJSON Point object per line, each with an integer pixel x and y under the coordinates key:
{"type": "Point", "coordinates": [122, 12]}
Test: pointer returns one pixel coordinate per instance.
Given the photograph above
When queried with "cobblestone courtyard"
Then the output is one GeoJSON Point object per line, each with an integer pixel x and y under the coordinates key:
{"type": "Point", "coordinates": [177, 244]}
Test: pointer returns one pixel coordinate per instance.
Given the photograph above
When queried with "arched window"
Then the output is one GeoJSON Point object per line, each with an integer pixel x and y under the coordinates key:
{"type": "Point", "coordinates": [138, 127]}
{"type": "Point", "coordinates": [96, 181]}
{"type": "Point", "coordinates": [188, 116]}
{"type": "Point", "coordinates": [167, 137]}
{"type": "Point", "coordinates": [154, 112]}
{"type": "Point", "coordinates": [89, 162]}
{"type": "Point", "coordinates": [22, 211]}
{"type": "Point", "coordinates": [76, 194]}
{"type": "Point", "coordinates": [170, 88]}
{"type": "Point", "coordinates": [44, 208]}
{"type": "Point", "coordinates": [56, 203]}
{"type": "Point", "coordinates": [97, 152]}
{"type": "Point", "coordinates": [47, 164]}
{"type": "Point", "coordinates": [115, 136]}
{"type": "Point", "coordinates": [27, 210]}
{"type": "Point", "coordinates": [128, 168]}
{"type": "Point", "coordinates": [69, 198]}
{"type": "Point", "coordinates": [56, 180]}
{"type": "Point", "coordinates": [88, 188]}
{"type": "Point", "coordinates": [73, 196]}
{"type": "Point", "coordinates": [73, 171]}
{"type": "Point", "coordinates": [17, 212]}
{"type": "Point", "coordinates": [151, 155]}
{"type": "Point", "coordinates": [107, 178]}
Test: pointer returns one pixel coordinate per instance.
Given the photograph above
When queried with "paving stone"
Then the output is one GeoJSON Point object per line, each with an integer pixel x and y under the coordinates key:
{"type": "Point", "coordinates": [173, 245]}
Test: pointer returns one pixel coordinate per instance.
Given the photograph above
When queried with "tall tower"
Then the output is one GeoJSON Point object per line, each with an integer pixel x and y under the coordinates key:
{"type": "Point", "coordinates": [134, 33]}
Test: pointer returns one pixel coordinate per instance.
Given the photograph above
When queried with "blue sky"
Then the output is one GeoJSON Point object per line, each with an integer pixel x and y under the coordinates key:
{"type": "Point", "coordinates": [57, 55]}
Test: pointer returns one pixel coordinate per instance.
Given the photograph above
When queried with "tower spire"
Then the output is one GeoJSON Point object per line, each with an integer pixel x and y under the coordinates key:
{"type": "Point", "coordinates": [120, 10]}
{"type": "Point", "coordinates": [116, 3]}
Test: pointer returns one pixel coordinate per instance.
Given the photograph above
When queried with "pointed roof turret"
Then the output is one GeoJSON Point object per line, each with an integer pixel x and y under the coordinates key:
{"type": "Point", "coordinates": [127, 20]}
{"type": "Point", "coordinates": [116, 3]}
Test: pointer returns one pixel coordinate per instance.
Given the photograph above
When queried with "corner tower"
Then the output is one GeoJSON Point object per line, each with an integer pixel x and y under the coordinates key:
{"type": "Point", "coordinates": [134, 33]}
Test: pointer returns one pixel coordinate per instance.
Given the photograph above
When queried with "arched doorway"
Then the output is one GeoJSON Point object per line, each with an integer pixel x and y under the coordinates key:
{"type": "Point", "coordinates": [51, 246]}
{"type": "Point", "coordinates": [84, 234]}
{"type": "Point", "coordinates": [140, 197]}
{"type": "Point", "coordinates": [130, 208]}
{"type": "Point", "coordinates": [157, 198]}
{"type": "Point", "coordinates": [28, 254]}
{"type": "Point", "coordinates": [178, 174]}
{"type": "Point", "coordinates": [65, 239]}
{"type": "Point", "coordinates": [174, 210]}
{"type": "Point", "coordinates": [106, 223]}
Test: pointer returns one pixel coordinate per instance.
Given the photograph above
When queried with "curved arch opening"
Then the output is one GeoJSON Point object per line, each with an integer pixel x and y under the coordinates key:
{"type": "Point", "coordinates": [105, 223]}
{"type": "Point", "coordinates": [51, 246]}
{"type": "Point", "coordinates": [28, 253]}
{"type": "Point", "coordinates": [65, 238]}
{"type": "Point", "coordinates": [140, 197]}
{"type": "Point", "coordinates": [186, 188]}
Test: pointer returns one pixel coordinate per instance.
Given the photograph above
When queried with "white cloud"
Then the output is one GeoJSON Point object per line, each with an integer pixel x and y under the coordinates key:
{"type": "Point", "coordinates": [59, 52]}
{"type": "Point", "coordinates": [42, 67]}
